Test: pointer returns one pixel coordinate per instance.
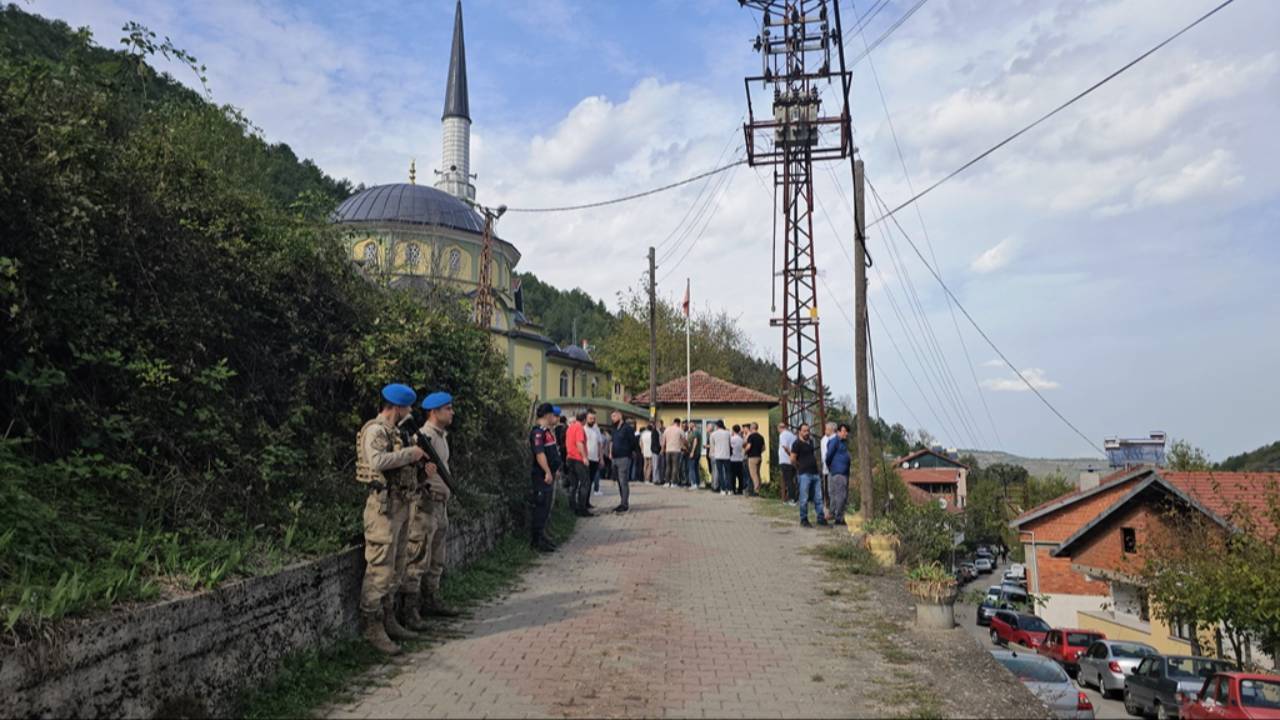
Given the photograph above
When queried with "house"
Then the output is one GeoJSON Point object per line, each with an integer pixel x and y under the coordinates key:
{"type": "Point", "coordinates": [1084, 549]}
{"type": "Point", "coordinates": [935, 475]}
{"type": "Point", "coordinates": [710, 399]}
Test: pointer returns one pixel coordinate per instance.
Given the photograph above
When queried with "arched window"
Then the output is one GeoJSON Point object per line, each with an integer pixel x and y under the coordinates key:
{"type": "Point", "coordinates": [412, 256]}
{"type": "Point", "coordinates": [371, 255]}
{"type": "Point", "coordinates": [594, 387]}
{"type": "Point", "coordinates": [528, 375]}
{"type": "Point", "coordinates": [564, 383]}
{"type": "Point", "coordinates": [617, 389]}
{"type": "Point", "coordinates": [455, 262]}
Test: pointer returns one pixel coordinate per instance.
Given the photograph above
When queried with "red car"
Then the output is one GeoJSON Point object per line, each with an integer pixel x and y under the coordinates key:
{"type": "Point", "coordinates": [1019, 628]}
{"type": "Point", "coordinates": [1234, 695]}
{"type": "Point", "coordinates": [1066, 645]}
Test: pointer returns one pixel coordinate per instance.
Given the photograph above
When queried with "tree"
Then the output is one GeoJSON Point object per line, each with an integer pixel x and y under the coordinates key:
{"type": "Point", "coordinates": [1043, 489]}
{"type": "Point", "coordinates": [1185, 457]}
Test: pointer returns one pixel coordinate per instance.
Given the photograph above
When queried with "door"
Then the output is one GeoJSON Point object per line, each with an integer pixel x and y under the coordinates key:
{"type": "Point", "coordinates": [1139, 683]}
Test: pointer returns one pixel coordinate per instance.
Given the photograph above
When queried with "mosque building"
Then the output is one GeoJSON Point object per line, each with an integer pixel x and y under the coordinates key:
{"type": "Point", "coordinates": [420, 236]}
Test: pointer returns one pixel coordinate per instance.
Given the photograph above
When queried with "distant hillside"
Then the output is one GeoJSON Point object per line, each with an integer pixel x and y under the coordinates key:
{"type": "Point", "coordinates": [1266, 457]}
{"type": "Point", "coordinates": [1068, 467]}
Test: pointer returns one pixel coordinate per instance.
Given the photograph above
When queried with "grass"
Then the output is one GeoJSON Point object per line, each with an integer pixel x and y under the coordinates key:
{"type": "Point", "coordinates": [849, 557]}
{"type": "Point", "coordinates": [773, 508]}
{"type": "Point", "coordinates": [917, 701]}
{"type": "Point", "coordinates": [306, 680]}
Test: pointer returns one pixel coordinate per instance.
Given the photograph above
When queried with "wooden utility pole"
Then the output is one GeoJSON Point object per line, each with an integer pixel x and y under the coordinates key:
{"type": "Point", "coordinates": [860, 338]}
{"type": "Point", "coordinates": [653, 337]}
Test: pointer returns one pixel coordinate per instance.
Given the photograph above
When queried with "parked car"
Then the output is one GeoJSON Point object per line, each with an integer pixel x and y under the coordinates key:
{"type": "Point", "coordinates": [984, 552]}
{"type": "Point", "coordinates": [984, 565]}
{"type": "Point", "coordinates": [1025, 629]}
{"type": "Point", "coordinates": [990, 603]}
{"type": "Point", "coordinates": [969, 570]}
{"type": "Point", "coordinates": [1152, 687]}
{"type": "Point", "coordinates": [1233, 696]}
{"type": "Point", "coordinates": [1011, 579]}
{"type": "Point", "coordinates": [1014, 597]}
{"type": "Point", "coordinates": [1106, 663]}
{"type": "Point", "coordinates": [1048, 682]}
{"type": "Point", "coordinates": [1019, 570]}
{"type": "Point", "coordinates": [1065, 646]}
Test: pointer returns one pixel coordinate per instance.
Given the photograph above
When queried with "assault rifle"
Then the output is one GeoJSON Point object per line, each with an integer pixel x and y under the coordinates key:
{"type": "Point", "coordinates": [412, 435]}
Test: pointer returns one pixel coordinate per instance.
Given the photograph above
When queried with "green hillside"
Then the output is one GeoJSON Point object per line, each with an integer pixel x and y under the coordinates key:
{"type": "Point", "coordinates": [1266, 457]}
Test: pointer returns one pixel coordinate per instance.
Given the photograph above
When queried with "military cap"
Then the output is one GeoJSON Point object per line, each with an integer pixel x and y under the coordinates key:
{"type": "Point", "coordinates": [399, 394]}
{"type": "Point", "coordinates": [436, 400]}
{"type": "Point", "coordinates": [545, 409]}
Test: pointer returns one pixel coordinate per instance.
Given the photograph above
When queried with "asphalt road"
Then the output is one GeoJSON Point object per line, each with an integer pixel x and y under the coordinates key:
{"type": "Point", "coordinates": [966, 614]}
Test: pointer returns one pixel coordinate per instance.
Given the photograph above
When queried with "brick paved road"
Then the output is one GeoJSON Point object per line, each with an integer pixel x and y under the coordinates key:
{"type": "Point", "coordinates": [685, 607]}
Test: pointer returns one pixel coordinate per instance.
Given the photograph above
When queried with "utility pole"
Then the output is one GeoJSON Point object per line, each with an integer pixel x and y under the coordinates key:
{"type": "Point", "coordinates": [653, 336]}
{"type": "Point", "coordinates": [860, 337]}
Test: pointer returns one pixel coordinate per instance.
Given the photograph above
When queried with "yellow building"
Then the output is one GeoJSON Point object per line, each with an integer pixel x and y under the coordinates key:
{"type": "Point", "coordinates": [711, 399]}
{"type": "Point", "coordinates": [423, 237]}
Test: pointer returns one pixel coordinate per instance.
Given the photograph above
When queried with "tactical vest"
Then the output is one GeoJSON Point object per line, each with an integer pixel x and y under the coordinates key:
{"type": "Point", "coordinates": [401, 479]}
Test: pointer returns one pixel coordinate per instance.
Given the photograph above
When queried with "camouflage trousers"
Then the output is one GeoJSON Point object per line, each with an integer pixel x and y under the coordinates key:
{"type": "Point", "coordinates": [428, 526]}
{"type": "Point", "coordinates": [386, 542]}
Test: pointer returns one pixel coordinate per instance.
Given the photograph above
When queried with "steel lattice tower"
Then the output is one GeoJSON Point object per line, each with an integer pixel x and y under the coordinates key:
{"type": "Point", "coordinates": [796, 43]}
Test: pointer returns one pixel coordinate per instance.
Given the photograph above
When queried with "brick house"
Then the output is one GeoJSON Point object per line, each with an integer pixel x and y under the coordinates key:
{"type": "Point", "coordinates": [1083, 549]}
{"type": "Point", "coordinates": [931, 475]}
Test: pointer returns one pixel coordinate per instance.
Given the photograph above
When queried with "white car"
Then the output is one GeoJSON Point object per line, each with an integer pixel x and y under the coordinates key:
{"type": "Point", "coordinates": [1017, 570]}
{"type": "Point", "coordinates": [984, 565]}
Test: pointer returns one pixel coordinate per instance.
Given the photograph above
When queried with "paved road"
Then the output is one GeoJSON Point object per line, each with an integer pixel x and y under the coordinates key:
{"type": "Point", "coordinates": [965, 615]}
{"type": "Point", "coordinates": [663, 612]}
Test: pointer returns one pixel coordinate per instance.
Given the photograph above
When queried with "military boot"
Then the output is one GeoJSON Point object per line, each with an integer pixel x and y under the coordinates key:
{"type": "Point", "coordinates": [376, 635]}
{"type": "Point", "coordinates": [394, 630]}
{"type": "Point", "coordinates": [410, 616]}
{"type": "Point", "coordinates": [435, 606]}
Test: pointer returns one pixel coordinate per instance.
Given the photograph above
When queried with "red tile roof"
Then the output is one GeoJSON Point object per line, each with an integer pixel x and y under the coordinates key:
{"type": "Point", "coordinates": [1067, 499]}
{"type": "Point", "coordinates": [1228, 494]}
{"type": "Point", "coordinates": [706, 389]}
{"type": "Point", "coordinates": [930, 476]}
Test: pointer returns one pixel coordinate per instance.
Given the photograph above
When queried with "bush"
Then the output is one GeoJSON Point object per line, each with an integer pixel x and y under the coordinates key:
{"type": "Point", "coordinates": [187, 350]}
{"type": "Point", "coordinates": [925, 533]}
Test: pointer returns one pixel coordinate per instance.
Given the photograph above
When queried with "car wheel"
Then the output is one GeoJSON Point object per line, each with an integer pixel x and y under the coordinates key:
{"type": "Point", "coordinates": [1161, 713]}
{"type": "Point", "coordinates": [995, 639]}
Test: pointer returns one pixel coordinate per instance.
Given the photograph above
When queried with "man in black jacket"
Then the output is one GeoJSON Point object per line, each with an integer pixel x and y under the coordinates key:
{"type": "Point", "coordinates": [621, 449]}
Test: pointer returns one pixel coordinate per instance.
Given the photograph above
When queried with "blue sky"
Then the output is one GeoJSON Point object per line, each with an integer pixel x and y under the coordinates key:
{"type": "Point", "coordinates": [1124, 254]}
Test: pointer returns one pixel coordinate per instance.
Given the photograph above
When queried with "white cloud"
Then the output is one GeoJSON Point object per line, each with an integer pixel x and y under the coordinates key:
{"type": "Point", "coordinates": [1035, 376]}
{"type": "Point", "coordinates": [994, 363]}
{"type": "Point", "coordinates": [994, 257]}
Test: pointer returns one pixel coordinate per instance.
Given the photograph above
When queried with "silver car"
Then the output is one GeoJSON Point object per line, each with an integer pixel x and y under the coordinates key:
{"type": "Point", "coordinates": [1105, 664]}
{"type": "Point", "coordinates": [984, 565]}
{"type": "Point", "coordinates": [1049, 682]}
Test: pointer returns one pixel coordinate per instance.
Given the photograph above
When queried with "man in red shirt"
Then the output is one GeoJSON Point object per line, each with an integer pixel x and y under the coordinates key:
{"type": "Point", "coordinates": [575, 439]}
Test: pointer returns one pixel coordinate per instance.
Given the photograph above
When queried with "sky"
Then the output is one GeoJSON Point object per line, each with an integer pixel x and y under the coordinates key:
{"type": "Point", "coordinates": [1123, 255]}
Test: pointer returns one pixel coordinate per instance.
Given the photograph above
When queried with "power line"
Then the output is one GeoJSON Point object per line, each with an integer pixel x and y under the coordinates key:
{"type": "Point", "coordinates": [884, 35]}
{"type": "Point", "coordinates": [701, 190]}
{"type": "Point", "coordinates": [1050, 114]}
{"type": "Point", "coordinates": [714, 185]}
{"type": "Point", "coordinates": [991, 343]}
{"type": "Point", "coordinates": [724, 186]}
{"type": "Point", "coordinates": [635, 196]}
{"type": "Point", "coordinates": [893, 132]}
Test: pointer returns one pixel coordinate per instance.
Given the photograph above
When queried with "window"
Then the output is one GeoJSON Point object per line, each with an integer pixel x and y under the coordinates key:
{"type": "Point", "coordinates": [412, 256]}
{"type": "Point", "coordinates": [594, 387]}
{"type": "Point", "coordinates": [455, 261]}
{"type": "Point", "coordinates": [617, 388]}
{"type": "Point", "coordinates": [528, 375]}
{"type": "Point", "coordinates": [1128, 540]}
{"type": "Point", "coordinates": [1183, 630]}
{"type": "Point", "coordinates": [564, 383]}
{"type": "Point", "coordinates": [371, 255]}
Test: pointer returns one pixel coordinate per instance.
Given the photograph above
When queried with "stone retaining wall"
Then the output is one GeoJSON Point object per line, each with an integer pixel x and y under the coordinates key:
{"type": "Point", "coordinates": [194, 656]}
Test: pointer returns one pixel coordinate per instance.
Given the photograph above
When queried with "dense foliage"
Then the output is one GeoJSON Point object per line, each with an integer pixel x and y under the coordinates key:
{"type": "Point", "coordinates": [566, 316]}
{"type": "Point", "coordinates": [187, 352]}
{"type": "Point", "coordinates": [1266, 457]}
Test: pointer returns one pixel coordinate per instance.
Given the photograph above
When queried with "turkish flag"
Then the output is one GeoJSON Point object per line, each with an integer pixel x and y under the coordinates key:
{"type": "Point", "coordinates": [685, 304]}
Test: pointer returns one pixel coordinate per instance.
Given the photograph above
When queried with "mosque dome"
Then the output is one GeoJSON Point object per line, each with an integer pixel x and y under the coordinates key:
{"type": "Point", "coordinates": [411, 204]}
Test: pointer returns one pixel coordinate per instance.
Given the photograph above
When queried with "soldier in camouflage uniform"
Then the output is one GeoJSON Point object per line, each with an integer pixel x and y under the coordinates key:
{"type": "Point", "coordinates": [387, 467]}
{"type": "Point", "coordinates": [429, 523]}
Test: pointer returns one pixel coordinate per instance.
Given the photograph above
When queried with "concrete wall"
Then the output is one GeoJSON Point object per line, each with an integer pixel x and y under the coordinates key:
{"type": "Point", "coordinates": [195, 655]}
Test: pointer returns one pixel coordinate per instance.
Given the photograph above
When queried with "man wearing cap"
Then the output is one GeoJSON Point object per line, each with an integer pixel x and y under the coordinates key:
{"type": "Point", "coordinates": [546, 460]}
{"type": "Point", "coordinates": [385, 465]}
{"type": "Point", "coordinates": [429, 523]}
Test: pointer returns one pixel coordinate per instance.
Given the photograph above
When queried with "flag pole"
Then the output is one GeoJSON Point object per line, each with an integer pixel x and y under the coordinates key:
{"type": "Point", "coordinates": [688, 381]}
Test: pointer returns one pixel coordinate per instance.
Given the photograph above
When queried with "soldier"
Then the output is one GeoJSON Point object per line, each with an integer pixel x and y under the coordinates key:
{"type": "Point", "coordinates": [546, 461]}
{"type": "Point", "coordinates": [387, 467]}
{"type": "Point", "coordinates": [429, 524]}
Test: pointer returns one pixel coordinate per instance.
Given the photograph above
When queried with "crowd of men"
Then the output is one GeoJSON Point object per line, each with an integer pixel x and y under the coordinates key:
{"type": "Point", "coordinates": [403, 459]}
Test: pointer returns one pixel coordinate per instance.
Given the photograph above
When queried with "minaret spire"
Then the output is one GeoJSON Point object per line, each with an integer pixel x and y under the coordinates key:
{"type": "Point", "coordinates": [455, 170]}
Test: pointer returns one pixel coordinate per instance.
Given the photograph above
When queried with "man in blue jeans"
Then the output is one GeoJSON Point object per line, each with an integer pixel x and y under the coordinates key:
{"type": "Point", "coordinates": [805, 458]}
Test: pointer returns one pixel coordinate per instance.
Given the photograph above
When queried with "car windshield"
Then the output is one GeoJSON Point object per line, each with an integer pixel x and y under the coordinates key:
{"type": "Point", "coordinates": [1129, 650]}
{"type": "Point", "coordinates": [1188, 668]}
{"type": "Point", "coordinates": [1080, 639]}
{"type": "Point", "coordinates": [1260, 693]}
{"type": "Point", "coordinates": [1032, 623]}
{"type": "Point", "coordinates": [1016, 598]}
{"type": "Point", "coordinates": [1031, 669]}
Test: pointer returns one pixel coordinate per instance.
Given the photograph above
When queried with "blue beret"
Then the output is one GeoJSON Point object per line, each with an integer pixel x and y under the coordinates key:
{"type": "Point", "coordinates": [398, 394]}
{"type": "Point", "coordinates": [436, 400]}
{"type": "Point", "coordinates": [556, 409]}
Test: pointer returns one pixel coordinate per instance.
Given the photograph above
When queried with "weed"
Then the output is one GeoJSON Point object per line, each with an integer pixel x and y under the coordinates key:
{"type": "Point", "coordinates": [849, 557]}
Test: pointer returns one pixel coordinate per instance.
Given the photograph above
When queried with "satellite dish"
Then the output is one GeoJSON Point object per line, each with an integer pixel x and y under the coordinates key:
{"type": "Point", "coordinates": [942, 503]}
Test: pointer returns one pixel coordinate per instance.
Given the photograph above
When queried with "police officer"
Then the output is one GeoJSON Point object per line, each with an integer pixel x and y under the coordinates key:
{"type": "Point", "coordinates": [429, 524]}
{"type": "Point", "coordinates": [387, 467]}
{"type": "Point", "coordinates": [546, 461]}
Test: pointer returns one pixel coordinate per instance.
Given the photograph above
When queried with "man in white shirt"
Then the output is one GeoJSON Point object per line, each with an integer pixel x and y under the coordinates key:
{"type": "Point", "coordinates": [646, 451]}
{"type": "Point", "coordinates": [830, 429]}
{"type": "Point", "coordinates": [737, 461]}
{"type": "Point", "coordinates": [595, 439]}
{"type": "Point", "coordinates": [721, 452]}
{"type": "Point", "coordinates": [785, 439]}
